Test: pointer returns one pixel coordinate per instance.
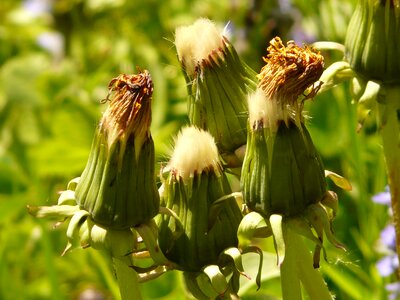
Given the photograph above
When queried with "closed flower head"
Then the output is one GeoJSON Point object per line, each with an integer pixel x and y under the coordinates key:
{"type": "Point", "coordinates": [372, 40]}
{"type": "Point", "coordinates": [283, 177]}
{"type": "Point", "coordinates": [129, 111]}
{"type": "Point", "coordinates": [193, 189]}
{"type": "Point", "coordinates": [218, 83]}
{"type": "Point", "coordinates": [282, 172]}
{"type": "Point", "coordinates": [118, 186]}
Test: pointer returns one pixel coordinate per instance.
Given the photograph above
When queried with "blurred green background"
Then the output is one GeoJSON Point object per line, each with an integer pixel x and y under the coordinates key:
{"type": "Point", "coordinates": [56, 60]}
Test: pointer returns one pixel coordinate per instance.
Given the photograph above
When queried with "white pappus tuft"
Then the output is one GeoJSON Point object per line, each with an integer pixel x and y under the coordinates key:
{"type": "Point", "coordinates": [195, 43]}
{"type": "Point", "coordinates": [195, 151]}
{"type": "Point", "coordinates": [264, 112]}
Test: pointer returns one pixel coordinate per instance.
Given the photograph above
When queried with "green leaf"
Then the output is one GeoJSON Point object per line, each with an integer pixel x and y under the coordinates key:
{"type": "Point", "coordinates": [250, 227]}
{"type": "Point", "coordinates": [340, 181]}
{"type": "Point", "coordinates": [236, 257]}
{"type": "Point", "coordinates": [277, 229]}
{"type": "Point", "coordinates": [216, 278]}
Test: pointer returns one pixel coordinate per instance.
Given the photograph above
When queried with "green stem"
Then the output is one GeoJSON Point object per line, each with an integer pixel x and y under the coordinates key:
{"type": "Point", "coordinates": [50, 267]}
{"type": "Point", "coordinates": [390, 131]}
{"type": "Point", "coordinates": [290, 281]}
{"type": "Point", "coordinates": [104, 270]}
{"type": "Point", "coordinates": [310, 278]}
{"type": "Point", "coordinates": [127, 279]}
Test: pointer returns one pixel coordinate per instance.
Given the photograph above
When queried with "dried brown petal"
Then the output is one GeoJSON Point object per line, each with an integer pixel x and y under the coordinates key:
{"type": "Point", "coordinates": [289, 71]}
{"type": "Point", "coordinates": [130, 105]}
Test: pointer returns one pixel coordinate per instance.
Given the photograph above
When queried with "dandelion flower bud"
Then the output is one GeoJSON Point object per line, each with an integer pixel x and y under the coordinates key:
{"type": "Point", "coordinates": [193, 190]}
{"type": "Point", "coordinates": [282, 177]}
{"type": "Point", "coordinates": [282, 172]}
{"type": "Point", "coordinates": [118, 186]}
{"type": "Point", "coordinates": [218, 82]}
{"type": "Point", "coordinates": [372, 40]}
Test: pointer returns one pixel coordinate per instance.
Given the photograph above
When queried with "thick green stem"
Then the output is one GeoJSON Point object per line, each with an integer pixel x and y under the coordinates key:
{"type": "Point", "coordinates": [127, 279]}
{"type": "Point", "coordinates": [48, 252]}
{"type": "Point", "coordinates": [290, 281]}
{"type": "Point", "coordinates": [310, 278]}
{"type": "Point", "coordinates": [389, 128]}
{"type": "Point", "coordinates": [103, 269]}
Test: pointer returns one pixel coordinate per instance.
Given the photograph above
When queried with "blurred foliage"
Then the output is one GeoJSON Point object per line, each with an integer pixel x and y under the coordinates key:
{"type": "Point", "coordinates": [56, 59]}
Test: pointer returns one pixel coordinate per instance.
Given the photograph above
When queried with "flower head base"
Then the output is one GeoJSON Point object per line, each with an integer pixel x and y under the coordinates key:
{"type": "Point", "coordinates": [282, 172]}
{"type": "Point", "coordinates": [288, 72]}
{"type": "Point", "coordinates": [118, 186]}
{"type": "Point", "coordinates": [218, 83]}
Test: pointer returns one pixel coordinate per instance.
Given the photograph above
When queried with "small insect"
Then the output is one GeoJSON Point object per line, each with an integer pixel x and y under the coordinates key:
{"type": "Point", "coordinates": [121, 81]}
{"type": "Point", "coordinates": [102, 101]}
{"type": "Point", "coordinates": [132, 84]}
{"type": "Point", "coordinates": [313, 90]}
{"type": "Point", "coordinates": [118, 83]}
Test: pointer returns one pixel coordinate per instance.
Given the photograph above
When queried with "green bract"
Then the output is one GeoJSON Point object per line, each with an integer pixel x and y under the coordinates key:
{"type": "Point", "coordinates": [282, 172]}
{"type": "Point", "coordinates": [204, 235]}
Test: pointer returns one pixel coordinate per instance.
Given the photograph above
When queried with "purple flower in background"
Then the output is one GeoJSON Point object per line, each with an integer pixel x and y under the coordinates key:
{"type": "Point", "coordinates": [297, 32]}
{"type": "Point", "coordinates": [37, 7]}
{"type": "Point", "coordinates": [53, 42]}
{"type": "Point", "coordinates": [394, 290]}
{"type": "Point", "coordinates": [388, 237]}
{"type": "Point", "coordinates": [383, 197]}
{"type": "Point", "coordinates": [388, 264]}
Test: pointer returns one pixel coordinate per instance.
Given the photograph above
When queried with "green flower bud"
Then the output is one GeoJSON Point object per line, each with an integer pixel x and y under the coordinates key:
{"type": "Point", "coordinates": [218, 83]}
{"type": "Point", "coordinates": [118, 186]}
{"type": "Point", "coordinates": [372, 40]}
{"type": "Point", "coordinates": [282, 172]}
{"type": "Point", "coordinates": [194, 190]}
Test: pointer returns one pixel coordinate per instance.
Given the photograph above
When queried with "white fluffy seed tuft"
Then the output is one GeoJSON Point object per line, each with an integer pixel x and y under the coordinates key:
{"type": "Point", "coordinates": [195, 42]}
{"type": "Point", "coordinates": [195, 151]}
{"type": "Point", "coordinates": [264, 112]}
{"type": "Point", "coordinates": [257, 103]}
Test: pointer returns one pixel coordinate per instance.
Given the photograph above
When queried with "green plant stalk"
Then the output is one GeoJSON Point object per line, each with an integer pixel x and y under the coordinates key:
{"type": "Point", "coordinates": [390, 131]}
{"type": "Point", "coordinates": [101, 262]}
{"type": "Point", "coordinates": [49, 258]}
{"type": "Point", "coordinates": [127, 278]}
{"type": "Point", "coordinates": [310, 278]}
{"type": "Point", "coordinates": [290, 281]}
